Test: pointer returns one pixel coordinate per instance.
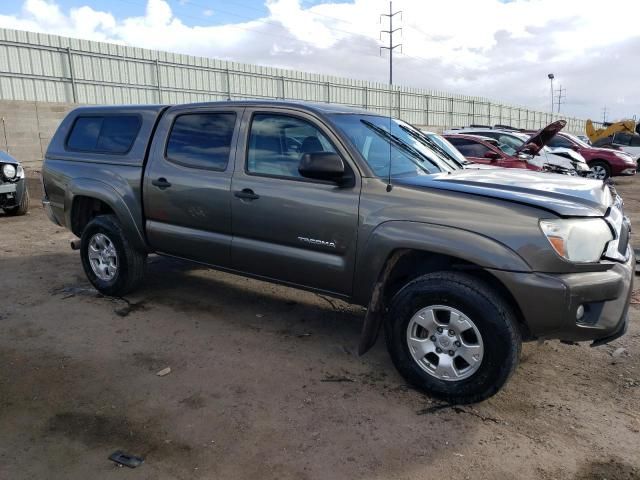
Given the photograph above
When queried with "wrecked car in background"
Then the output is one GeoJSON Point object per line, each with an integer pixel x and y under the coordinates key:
{"type": "Point", "coordinates": [14, 196]}
{"type": "Point", "coordinates": [457, 267]}
{"type": "Point", "coordinates": [532, 147]}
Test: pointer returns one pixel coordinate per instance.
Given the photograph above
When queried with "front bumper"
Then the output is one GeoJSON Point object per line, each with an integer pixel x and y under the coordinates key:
{"type": "Point", "coordinates": [549, 303]}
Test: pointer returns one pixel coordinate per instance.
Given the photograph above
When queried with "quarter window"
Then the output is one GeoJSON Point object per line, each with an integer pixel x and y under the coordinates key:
{"type": "Point", "coordinates": [277, 142]}
{"type": "Point", "coordinates": [104, 134]}
{"type": "Point", "coordinates": [202, 140]}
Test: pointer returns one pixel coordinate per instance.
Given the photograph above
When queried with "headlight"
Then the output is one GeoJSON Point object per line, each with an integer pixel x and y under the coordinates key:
{"type": "Point", "coordinates": [578, 239]}
{"type": "Point", "coordinates": [9, 171]}
{"type": "Point", "coordinates": [623, 155]}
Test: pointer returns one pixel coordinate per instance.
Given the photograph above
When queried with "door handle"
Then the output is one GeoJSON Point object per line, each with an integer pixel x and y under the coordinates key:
{"type": "Point", "coordinates": [161, 183]}
{"type": "Point", "coordinates": [246, 194]}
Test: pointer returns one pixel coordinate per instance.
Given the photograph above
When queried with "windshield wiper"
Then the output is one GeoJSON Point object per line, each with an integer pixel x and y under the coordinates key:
{"type": "Point", "coordinates": [398, 142]}
{"type": "Point", "coordinates": [425, 138]}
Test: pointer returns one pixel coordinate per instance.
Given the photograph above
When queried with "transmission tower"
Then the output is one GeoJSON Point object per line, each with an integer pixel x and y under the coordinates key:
{"type": "Point", "coordinates": [390, 32]}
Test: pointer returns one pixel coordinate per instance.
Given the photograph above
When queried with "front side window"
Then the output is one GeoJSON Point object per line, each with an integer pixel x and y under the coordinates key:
{"type": "Point", "coordinates": [277, 143]}
{"type": "Point", "coordinates": [635, 141]}
{"type": "Point", "coordinates": [469, 148]}
{"type": "Point", "coordinates": [104, 134]}
{"type": "Point", "coordinates": [202, 140]}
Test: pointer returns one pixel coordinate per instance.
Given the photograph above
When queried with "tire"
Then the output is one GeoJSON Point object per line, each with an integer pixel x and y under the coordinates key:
{"type": "Point", "coordinates": [129, 262]}
{"type": "Point", "coordinates": [22, 208]}
{"type": "Point", "coordinates": [499, 337]}
{"type": "Point", "coordinates": [602, 167]}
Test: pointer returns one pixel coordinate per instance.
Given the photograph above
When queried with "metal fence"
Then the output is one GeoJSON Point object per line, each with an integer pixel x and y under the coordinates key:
{"type": "Point", "coordinates": [50, 68]}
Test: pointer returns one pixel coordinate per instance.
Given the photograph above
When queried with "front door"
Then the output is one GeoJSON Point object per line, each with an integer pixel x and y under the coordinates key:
{"type": "Point", "coordinates": [287, 227]}
{"type": "Point", "coordinates": [187, 184]}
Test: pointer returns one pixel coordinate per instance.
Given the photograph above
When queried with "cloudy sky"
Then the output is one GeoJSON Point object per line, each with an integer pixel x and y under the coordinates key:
{"type": "Point", "coordinates": [502, 49]}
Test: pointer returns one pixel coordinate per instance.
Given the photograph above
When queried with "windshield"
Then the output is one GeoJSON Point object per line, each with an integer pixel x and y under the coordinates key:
{"type": "Point", "coordinates": [577, 140]}
{"type": "Point", "coordinates": [380, 140]}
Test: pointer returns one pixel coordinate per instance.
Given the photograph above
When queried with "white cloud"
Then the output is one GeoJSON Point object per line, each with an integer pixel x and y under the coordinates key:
{"type": "Point", "coordinates": [477, 47]}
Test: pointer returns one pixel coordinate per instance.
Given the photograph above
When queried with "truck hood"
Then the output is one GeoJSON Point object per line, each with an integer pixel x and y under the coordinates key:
{"type": "Point", "coordinates": [562, 194]}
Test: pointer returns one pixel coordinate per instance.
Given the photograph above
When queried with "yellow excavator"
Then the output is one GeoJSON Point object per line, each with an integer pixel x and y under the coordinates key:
{"type": "Point", "coordinates": [609, 129]}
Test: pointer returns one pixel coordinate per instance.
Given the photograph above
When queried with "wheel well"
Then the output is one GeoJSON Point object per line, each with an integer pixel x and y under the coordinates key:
{"type": "Point", "coordinates": [85, 209]}
{"type": "Point", "coordinates": [415, 263]}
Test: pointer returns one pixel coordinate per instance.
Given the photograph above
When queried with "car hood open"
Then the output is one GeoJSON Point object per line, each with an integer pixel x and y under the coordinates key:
{"type": "Point", "coordinates": [538, 140]}
{"type": "Point", "coordinates": [562, 194]}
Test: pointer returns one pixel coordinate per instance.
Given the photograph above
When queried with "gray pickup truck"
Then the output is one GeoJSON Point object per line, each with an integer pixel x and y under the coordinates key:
{"type": "Point", "coordinates": [458, 266]}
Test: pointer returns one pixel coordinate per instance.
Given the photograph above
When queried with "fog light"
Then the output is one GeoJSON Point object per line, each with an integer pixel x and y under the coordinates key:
{"type": "Point", "coordinates": [580, 312]}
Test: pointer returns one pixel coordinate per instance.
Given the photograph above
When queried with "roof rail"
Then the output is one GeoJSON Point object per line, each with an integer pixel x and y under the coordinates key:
{"type": "Point", "coordinates": [476, 125]}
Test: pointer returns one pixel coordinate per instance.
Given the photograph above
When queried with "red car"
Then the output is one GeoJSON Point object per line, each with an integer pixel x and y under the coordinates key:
{"type": "Point", "coordinates": [603, 162]}
{"type": "Point", "coordinates": [485, 150]}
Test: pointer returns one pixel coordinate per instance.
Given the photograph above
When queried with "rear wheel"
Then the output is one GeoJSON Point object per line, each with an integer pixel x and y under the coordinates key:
{"type": "Point", "coordinates": [600, 170]}
{"type": "Point", "coordinates": [453, 337]}
{"type": "Point", "coordinates": [111, 264]}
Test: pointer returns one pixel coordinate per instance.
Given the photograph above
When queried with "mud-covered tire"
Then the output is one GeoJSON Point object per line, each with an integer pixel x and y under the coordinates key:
{"type": "Point", "coordinates": [23, 206]}
{"type": "Point", "coordinates": [487, 310]}
{"type": "Point", "coordinates": [130, 262]}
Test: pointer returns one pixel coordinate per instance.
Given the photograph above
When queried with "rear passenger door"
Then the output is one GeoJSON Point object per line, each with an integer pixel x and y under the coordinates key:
{"type": "Point", "coordinates": [287, 227]}
{"type": "Point", "coordinates": [187, 199]}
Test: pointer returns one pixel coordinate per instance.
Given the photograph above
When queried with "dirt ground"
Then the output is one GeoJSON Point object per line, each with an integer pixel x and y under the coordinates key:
{"type": "Point", "coordinates": [265, 384]}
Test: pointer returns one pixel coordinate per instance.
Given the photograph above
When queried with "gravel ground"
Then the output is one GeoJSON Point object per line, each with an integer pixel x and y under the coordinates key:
{"type": "Point", "coordinates": [265, 383]}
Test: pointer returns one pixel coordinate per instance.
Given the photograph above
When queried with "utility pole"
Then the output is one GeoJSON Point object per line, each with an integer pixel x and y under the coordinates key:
{"type": "Point", "coordinates": [390, 32]}
{"type": "Point", "coordinates": [604, 115]}
{"type": "Point", "coordinates": [561, 93]}
{"type": "Point", "coordinates": [551, 76]}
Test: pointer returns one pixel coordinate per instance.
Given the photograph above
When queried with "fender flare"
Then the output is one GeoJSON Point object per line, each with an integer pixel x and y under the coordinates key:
{"type": "Point", "coordinates": [390, 241]}
{"type": "Point", "coordinates": [88, 187]}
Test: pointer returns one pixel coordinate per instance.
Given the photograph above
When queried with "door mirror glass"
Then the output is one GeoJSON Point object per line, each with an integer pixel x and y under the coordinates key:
{"type": "Point", "coordinates": [322, 166]}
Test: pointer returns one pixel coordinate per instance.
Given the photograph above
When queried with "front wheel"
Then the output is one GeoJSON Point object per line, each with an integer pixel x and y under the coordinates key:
{"type": "Point", "coordinates": [600, 170]}
{"type": "Point", "coordinates": [111, 264]}
{"type": "Point", "coordinates": [453, 337]}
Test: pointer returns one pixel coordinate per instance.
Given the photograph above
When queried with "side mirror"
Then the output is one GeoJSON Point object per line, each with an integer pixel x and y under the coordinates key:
{"type": "Point", "coordinates": [574, 148]}
{"type": "Point", "coordinates": [322, 166]}
{"type": "Point", "coordinates": [493, 156]}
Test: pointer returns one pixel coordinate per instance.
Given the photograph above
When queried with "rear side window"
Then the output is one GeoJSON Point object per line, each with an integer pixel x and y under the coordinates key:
{"type": "Point", "coordinates": [104, 134]}
{"type": "Point", "coordinates": [202, 140]}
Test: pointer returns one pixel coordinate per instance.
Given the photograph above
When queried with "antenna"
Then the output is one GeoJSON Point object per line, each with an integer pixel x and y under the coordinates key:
{"type": "Point", "coordinates": [391, 48]}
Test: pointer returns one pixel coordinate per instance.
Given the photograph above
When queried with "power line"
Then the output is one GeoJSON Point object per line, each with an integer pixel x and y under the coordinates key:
{"type": "Point", "coordinates": [390, 32]}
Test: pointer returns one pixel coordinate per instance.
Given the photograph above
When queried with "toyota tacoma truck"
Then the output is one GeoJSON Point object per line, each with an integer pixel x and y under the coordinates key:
{"type": "Point", "coordinates": [457, 267]}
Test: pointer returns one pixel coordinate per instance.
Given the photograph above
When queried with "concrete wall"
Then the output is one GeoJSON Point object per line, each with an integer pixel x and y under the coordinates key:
{"type": "Point", "coordinates": [27, 127]}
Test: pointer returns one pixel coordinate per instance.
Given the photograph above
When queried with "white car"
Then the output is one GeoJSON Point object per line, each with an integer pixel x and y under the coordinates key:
{"type": "Point", "coordinates": [628, 143]}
